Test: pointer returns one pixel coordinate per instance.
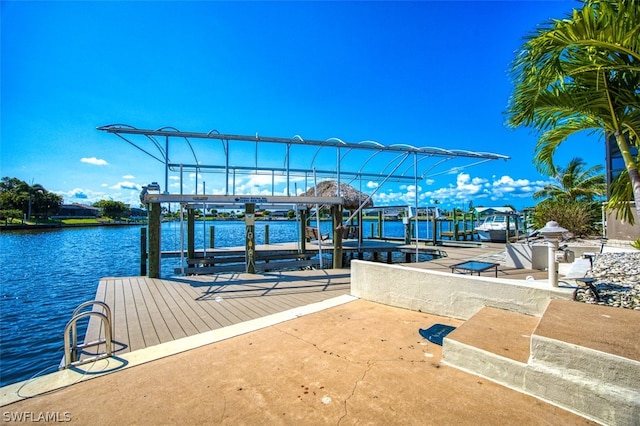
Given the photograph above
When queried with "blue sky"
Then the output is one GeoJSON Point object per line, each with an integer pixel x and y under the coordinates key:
{"type": "Point", "coordinates": [421, 73]}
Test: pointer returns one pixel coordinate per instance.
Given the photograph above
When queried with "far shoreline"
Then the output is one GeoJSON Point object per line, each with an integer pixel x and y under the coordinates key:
{"type": "Point", "coordinates": [30, 227]}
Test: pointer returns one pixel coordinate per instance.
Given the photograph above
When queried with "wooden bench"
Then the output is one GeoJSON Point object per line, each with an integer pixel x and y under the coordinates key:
{"type": "Point", "coordinates": [311, 233]}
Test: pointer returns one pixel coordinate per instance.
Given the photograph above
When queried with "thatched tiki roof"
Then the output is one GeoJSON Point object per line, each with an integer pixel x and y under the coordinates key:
{"type": "Point", "coordinates": [352, 198]}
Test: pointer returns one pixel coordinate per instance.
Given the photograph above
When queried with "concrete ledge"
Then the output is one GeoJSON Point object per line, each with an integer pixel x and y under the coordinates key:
{"type": "Point", "coordinates": [451, 295]}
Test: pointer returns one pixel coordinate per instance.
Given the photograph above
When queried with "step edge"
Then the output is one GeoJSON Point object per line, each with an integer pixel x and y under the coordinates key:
{"type": "Point", "coordinates": [591, 363]}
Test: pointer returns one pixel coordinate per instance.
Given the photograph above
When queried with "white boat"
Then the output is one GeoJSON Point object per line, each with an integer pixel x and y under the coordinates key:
{"type": "Point", "coordinates": [494, 227]}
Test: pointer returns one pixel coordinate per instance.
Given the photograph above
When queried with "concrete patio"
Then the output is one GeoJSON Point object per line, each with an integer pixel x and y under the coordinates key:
{"type": "Point", "coordinates": [356, 363]}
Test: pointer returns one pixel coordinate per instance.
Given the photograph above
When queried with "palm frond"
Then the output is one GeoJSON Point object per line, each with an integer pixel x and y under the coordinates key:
{"type": "Point", "coordinates": [581, 73]}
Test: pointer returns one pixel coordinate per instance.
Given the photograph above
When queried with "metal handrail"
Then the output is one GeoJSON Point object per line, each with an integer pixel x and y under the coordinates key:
{"type": "Point", "coordinates": [71, 343]}
{"type": "Point", "coordinates": [103, 305]}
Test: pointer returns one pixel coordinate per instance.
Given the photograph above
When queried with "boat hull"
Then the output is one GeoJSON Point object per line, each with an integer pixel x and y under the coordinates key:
{"type": "Point", "coordinates": [494, 235]}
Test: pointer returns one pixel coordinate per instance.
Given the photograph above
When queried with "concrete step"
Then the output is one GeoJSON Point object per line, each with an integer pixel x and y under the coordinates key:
{"type": "Point", "coordinates": [581, 357]}
{"type": "Point", "coordinates": [494, 343]}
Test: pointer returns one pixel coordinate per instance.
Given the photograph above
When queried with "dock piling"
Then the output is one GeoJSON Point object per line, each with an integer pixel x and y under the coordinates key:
{"type": "Point", "coordinates": [154, 240]}
{"type": "Point", "coordinates": [143, 251]}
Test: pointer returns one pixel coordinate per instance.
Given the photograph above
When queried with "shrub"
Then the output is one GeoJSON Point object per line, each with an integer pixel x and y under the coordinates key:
{"type": "Point", "coordinates": [578, 217]}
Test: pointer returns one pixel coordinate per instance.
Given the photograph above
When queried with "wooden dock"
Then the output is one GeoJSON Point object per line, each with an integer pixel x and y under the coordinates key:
{"type": "Point", "coordinates": [148, 311]}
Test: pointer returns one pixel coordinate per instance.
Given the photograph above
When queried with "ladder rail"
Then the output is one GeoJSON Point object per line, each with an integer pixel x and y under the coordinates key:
{"type": "Point", "coordinates": [103, 305]}
{"type": "Point", "coordinates": [71, 345]}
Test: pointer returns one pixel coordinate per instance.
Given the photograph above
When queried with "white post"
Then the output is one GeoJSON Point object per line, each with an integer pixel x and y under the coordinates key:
{"type": "Point", "coordinates": [553, 270]}
{"type": "Point", "coordinates": [552, 234]}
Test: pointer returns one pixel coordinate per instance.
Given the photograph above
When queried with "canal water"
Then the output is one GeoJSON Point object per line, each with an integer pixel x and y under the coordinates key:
{"type": "Point", "coordinates": [46, 274]}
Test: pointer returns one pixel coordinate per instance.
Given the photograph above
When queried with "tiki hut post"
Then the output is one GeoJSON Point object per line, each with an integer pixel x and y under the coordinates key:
{"type": "Point", "coordinates": [336, 214]}
{"type": "Point", "coordinates": [352, 199]}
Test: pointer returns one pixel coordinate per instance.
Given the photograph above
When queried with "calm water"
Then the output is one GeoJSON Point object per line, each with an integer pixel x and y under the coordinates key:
{"type": "Point", "coordinates": [46, 274]}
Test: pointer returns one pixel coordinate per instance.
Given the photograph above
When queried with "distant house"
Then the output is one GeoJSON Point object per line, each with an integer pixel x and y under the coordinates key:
{"type": "Point", "coordinates": [279, 214]}
{"type": "Point", "coordinates": [137, 214]}
{"type": "Point", "coordinates": [77, 211]}
{"type": "Point", "coordinates": [391, 213]}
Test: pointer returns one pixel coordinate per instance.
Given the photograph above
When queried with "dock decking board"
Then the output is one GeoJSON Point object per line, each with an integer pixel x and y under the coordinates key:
{"type": "Point", "coordinates": [148, 311]}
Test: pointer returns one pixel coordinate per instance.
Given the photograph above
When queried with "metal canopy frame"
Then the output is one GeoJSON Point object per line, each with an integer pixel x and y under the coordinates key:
{"type": "Point", "coordinates": [352, 169]}
{"type": "Point", "coordinates": [342, 169]}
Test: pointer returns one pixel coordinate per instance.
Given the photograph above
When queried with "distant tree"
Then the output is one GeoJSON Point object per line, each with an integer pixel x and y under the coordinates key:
{"type": "Point", "coordinates": [10, 215]}
{"type": "Point", "coordinates": [574, 183]}
{"type": "Point", "coordinates": [583, 73]}
{"type": "Point", "coordinates": [110, 208]}
{"type": "Point", "coordinates": [32, 200]}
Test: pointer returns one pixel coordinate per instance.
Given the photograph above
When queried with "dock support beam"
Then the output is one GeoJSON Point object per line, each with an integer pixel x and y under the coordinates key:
{"type": "Point", "coordinates": [303, 224]}
{"type": "Point", "coordinates": [456, 226]}
{"type": "Point", "coordinates": [434, 229]}
{"type": "Point", "coordinates": [191, 234]}
{"type": "Point", "coordinates": [250, 237]}
{"type": "Point", "coordinates": [154, 240]}
{"type": "Point", "coordinates": [406, 221]}
{"type": "Point", "coordinates": [143, 252]}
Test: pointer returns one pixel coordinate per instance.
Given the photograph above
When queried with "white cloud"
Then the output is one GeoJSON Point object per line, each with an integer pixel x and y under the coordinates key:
{"type": "Point", "coordinates": [127, 185]}
{"type": "Point", "coordinates": [81, 196]}
{"type": "Point", "coordinates": [468, 186]}
{"type": "Point", "coordinates": [78, 194]}
{"type": "Point", "coordinates": [465, 189]}
{"type": "Point", "coordinates": [128, 177]}
{"type": "Point", "coordinates": [95, 161]}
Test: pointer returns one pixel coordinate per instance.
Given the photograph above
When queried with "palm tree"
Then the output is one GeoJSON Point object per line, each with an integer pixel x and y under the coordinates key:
{"type": "Point", "coordinates": [575, 183]}
{"type": "Point", "coordinates": [32, 190]}
{"type": "Point", "coordinates": [583, 73]}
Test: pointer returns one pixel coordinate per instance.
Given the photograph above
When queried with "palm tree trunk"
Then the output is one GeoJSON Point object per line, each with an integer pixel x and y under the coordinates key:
{"type": "Point", "coordinates": [632, 168]}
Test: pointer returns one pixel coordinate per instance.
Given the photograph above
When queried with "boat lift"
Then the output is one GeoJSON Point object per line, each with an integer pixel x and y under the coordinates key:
{"type": "Point", "coordinates": [240, 156]}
